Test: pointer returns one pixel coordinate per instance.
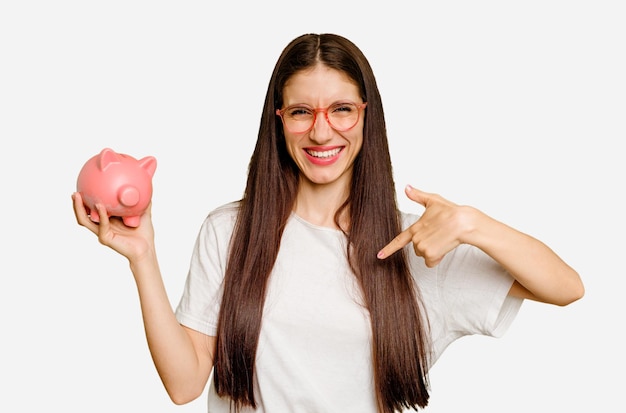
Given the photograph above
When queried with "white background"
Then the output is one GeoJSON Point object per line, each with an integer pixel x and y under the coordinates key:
{"type": "Point", "coordinates": [517, 108]}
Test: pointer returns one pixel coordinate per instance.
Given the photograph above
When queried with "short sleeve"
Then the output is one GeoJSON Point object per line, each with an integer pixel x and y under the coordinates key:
{"type": "Point", "coordinates": [473, 288]}
{"type": "Point", "coordinates": [465, 294]}
{"type": "Point", "coordinates": [200, 303]}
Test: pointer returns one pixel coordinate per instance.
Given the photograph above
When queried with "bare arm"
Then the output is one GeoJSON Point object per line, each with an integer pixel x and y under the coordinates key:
{"type": "Point", "coordinates": [182, 357]}
{"type": "Point", "coordinates": [540, 274]}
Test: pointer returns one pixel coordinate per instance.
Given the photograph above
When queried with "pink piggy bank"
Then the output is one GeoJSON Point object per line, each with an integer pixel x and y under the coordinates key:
{"type": "Point", "coordinates": [120, 182]}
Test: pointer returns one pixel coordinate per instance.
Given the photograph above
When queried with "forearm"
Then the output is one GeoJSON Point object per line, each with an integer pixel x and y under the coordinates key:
{"type": "Point", "coordinates": [183, 371]}
{"type": "Point", "coordinates": [532, 263]}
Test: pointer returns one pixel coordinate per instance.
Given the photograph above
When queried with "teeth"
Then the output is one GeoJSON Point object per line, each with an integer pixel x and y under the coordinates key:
{"type": "Point", "coordinates": [324, 154]}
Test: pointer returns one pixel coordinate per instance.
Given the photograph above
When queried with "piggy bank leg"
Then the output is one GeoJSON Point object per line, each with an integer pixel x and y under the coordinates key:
{"type": "Point", "coordinates": [131, 221]}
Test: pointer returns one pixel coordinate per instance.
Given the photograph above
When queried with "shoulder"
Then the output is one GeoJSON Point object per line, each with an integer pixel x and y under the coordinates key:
{"type": "Point", "coordinates": [221, 220]}
{"type": "Point", "coordinates": [225, 212]}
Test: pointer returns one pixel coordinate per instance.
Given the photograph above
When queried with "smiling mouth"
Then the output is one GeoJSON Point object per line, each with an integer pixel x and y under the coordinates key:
{"type": "Point", "coordinates": [323, 154]}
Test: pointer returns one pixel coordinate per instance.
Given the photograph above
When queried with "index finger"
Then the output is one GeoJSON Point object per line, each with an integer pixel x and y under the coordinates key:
{"type": "Point", "coordinates": [399, 242]}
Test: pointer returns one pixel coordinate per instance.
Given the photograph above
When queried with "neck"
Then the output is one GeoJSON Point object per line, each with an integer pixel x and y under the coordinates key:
{"type": "Point", "coordinates": [318, 204]}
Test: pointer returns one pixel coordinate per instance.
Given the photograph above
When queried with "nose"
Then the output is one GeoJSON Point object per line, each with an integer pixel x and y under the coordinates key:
{"type": "Point", "coordinates": [321, 131]}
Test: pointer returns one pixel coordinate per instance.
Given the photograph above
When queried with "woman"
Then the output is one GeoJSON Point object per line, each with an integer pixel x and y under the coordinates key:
{"type": "Point", "coordinates": [313, 293]}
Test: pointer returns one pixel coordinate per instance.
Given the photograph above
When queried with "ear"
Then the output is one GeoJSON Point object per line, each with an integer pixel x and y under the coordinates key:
{"type": "Point", "coordinates": [106, 158]}
{"type": "Point", "coordinates": [149, 164]}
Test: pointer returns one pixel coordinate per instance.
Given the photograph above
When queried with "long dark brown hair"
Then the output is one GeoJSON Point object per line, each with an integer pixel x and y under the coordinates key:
{"type": "Point", "coordinates": [400, 345]}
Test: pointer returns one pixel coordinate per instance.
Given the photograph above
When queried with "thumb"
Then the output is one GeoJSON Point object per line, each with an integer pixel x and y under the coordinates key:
{"type": "Point", "coordinates": [416, 195]}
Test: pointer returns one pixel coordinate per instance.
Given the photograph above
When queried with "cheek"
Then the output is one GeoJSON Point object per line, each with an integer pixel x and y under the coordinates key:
{"type": "Point", "coordinates": [356, 137]}
{"type": "Point", "coordinates": [292, 145]}
{"type": "Point", "coordinates": [357, 142]}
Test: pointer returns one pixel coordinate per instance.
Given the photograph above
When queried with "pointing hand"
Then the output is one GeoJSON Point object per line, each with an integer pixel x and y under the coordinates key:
{"type": "Point", "coordinates": [438, 231]}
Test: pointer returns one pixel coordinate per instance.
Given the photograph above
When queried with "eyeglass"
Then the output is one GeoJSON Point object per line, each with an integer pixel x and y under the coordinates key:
{"type": "Point", "coordinates": [341, 116]}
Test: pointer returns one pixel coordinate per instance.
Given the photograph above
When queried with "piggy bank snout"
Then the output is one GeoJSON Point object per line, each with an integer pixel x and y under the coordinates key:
{"type": "Point", "coordinates": [128, 196]}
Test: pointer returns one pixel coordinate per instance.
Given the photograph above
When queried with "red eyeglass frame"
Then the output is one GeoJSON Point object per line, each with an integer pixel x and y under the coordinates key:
{"type": "Point", "coordinates": [359, 106]}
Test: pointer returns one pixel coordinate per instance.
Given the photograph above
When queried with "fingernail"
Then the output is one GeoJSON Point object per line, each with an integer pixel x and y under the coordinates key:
{"type": "Point", "coordinates": [408, 188]}
{"type": "Point", "coordinates": [380, 254]}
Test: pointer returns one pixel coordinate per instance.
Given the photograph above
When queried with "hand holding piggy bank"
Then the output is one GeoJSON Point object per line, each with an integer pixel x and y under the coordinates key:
{"type": "Point", "coordinates": [120, 182]}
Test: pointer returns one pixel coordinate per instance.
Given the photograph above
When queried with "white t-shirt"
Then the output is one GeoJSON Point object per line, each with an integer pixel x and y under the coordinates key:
{"type": "Point", "coordinates": [314, 351]}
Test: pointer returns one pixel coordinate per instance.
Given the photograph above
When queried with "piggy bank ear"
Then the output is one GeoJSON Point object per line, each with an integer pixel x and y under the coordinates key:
{"type": "Point", "coordinates": [107, 157]}
{"type": "Point", "coordinates": [148, 164]}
